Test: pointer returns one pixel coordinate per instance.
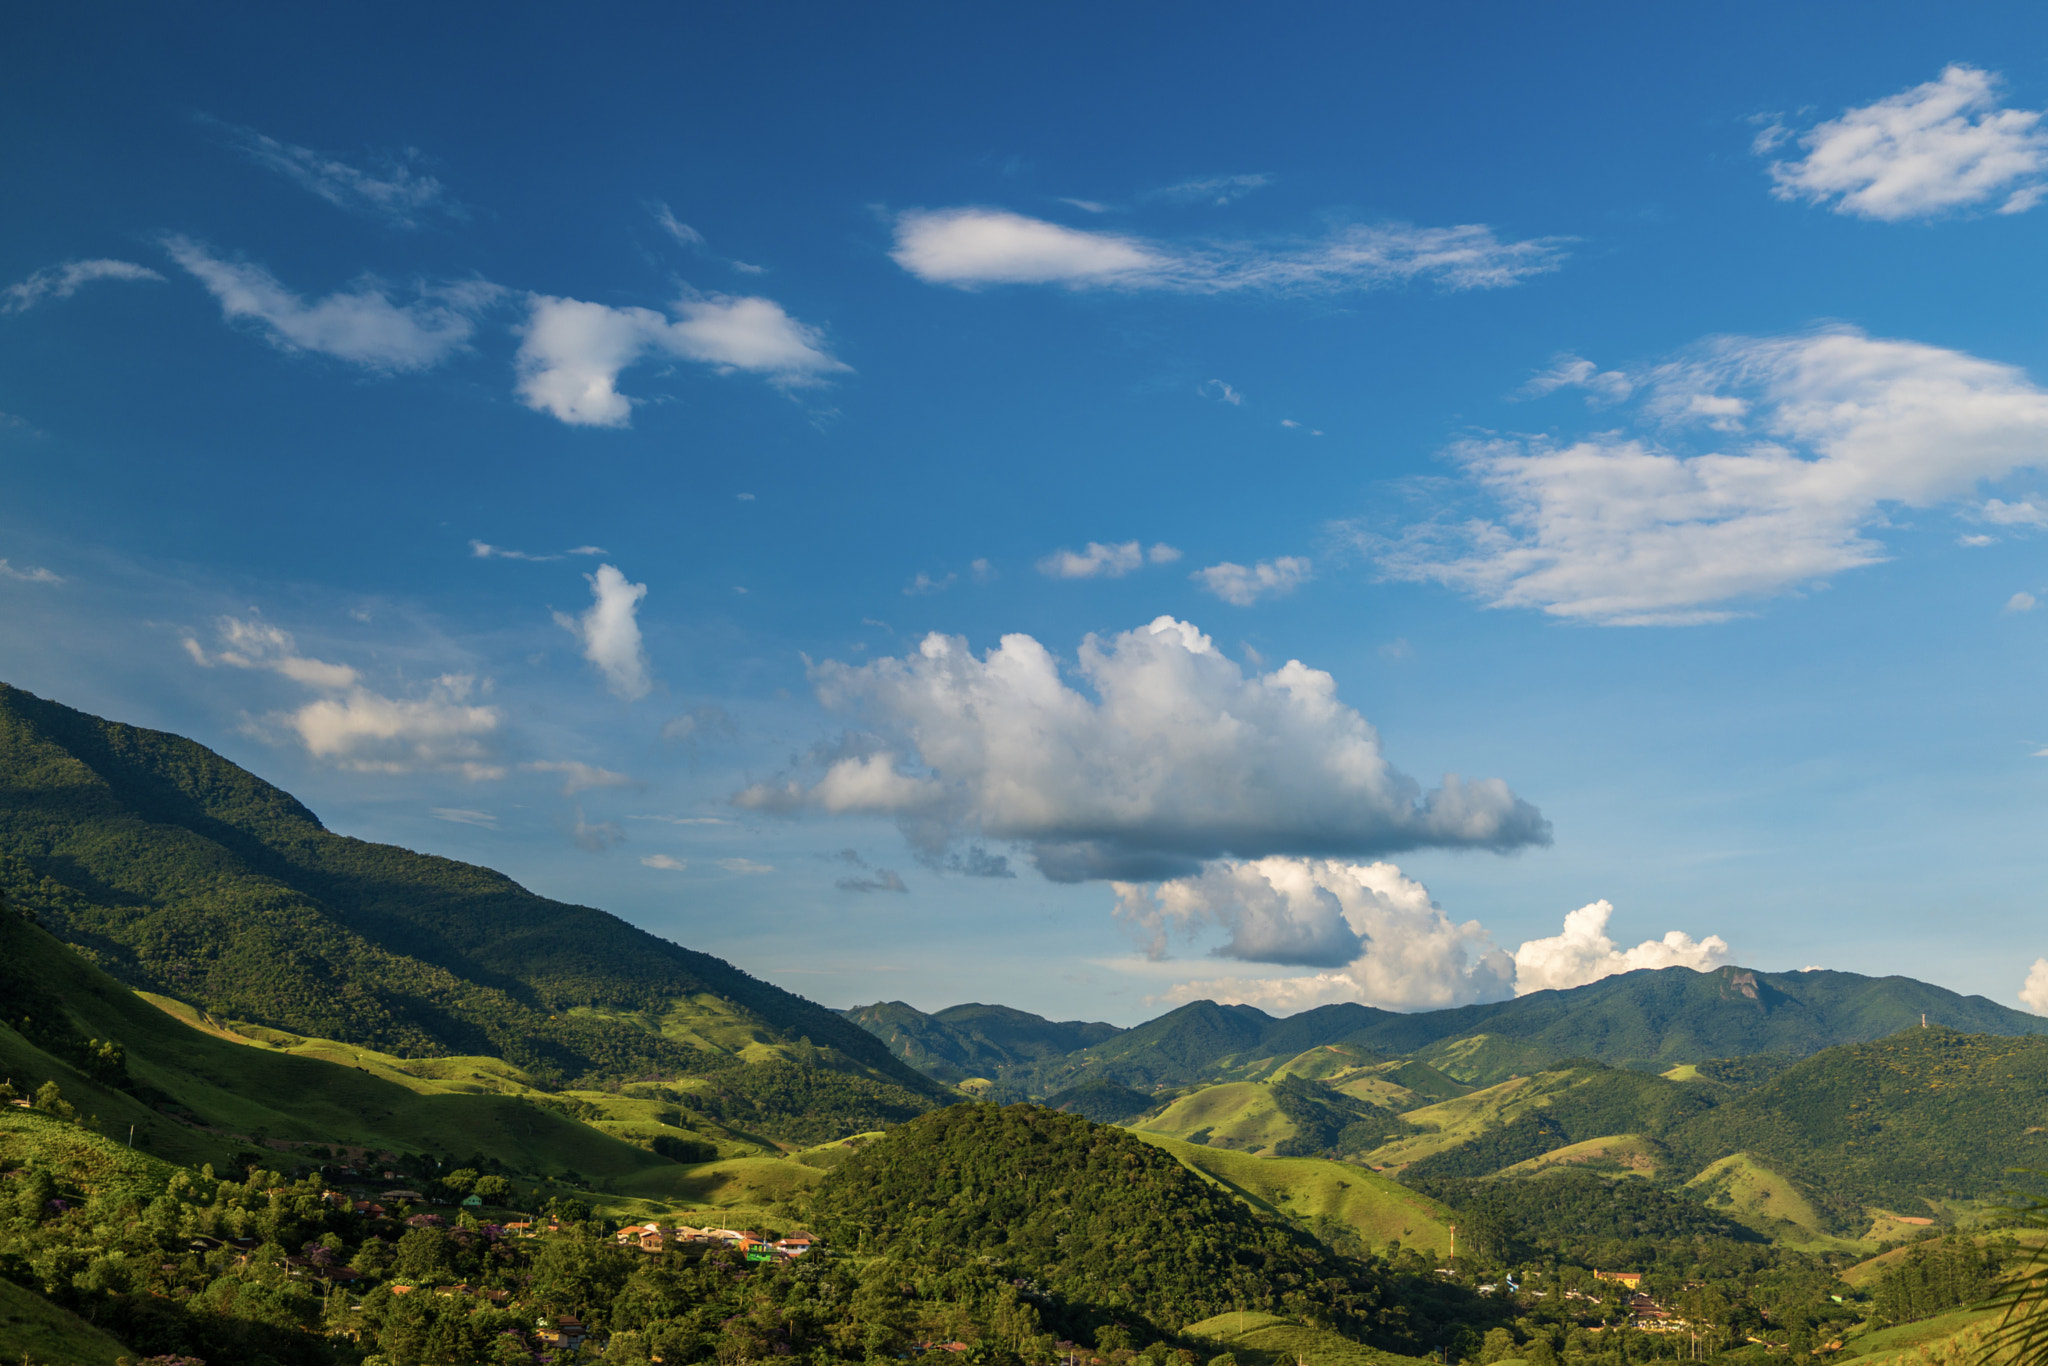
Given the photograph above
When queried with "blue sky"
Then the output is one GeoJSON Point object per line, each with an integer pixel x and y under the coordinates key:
{"type": "Point", "coordinates": [946, 504]}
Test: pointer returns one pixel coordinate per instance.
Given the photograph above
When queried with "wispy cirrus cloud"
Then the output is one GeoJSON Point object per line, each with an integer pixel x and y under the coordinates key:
{"type": "Point", "coordinates": [580, 777]}
{"type": "Point", "coordinates": [1938, 147]}
{"type": "Point", "coordinates": [687, 236]}
{"type": "Point", "coordinates": [31, 573]}
{"type": "Point", "coordinates": [1752, 466]}
{"type": "Point", "coordinates": [970, 248]}
{"type": "Point", "coordinates": [394, 190]}
{"type": "Point", "coordinates": [63, 281]}
{"type": "Point", "coordinates": [573, 351]}
{"type": "Point", "coordinates": [1217, 190]}
{"type": "Point", "coordinates": [361, 325]}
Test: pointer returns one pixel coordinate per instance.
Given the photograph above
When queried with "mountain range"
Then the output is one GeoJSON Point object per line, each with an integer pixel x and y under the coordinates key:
{"type": "Point", "coordinates": [1652, 1018]}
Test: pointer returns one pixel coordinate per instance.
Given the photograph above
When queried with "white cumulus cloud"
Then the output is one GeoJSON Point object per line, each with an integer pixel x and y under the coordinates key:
{"type": "Point", "coordinates": [664, 862]}
{"type": "Point", "coordinates": [2034, 991]}
{"type": "Point", "coordinates": [609, 630]}
{"type": "Point", "coordinates": [61, 282]}
{"type": "Point", "coordinates": [1940, 146]}
{"type": "Point", "coordinates": [1583, 953]}
{"type": "Point", "coordinates": [361, 325]}
{"type": "Point", "coordinates": [2020, 602]}
{"type": "Point", "coordinates": [354, 726]}
{"type": "Point", "coordinates": [1241, 586]}
{"type": "Point", "coordinates": [1390, 945]}
{"type": "Point", "coordinates": [573, 352]}
{"type": "Point", "coordinates": [1378, 936]}
{"type": "Point", "coordinates": [1174, 757]}
{"type": "Point", "coordinates": [972, 247]}
{"type": "Point", "coordinates": [1757, 465]}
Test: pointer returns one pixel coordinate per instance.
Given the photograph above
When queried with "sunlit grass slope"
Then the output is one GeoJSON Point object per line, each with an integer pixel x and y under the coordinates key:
{"type": "Point", "coordinates": [1306, 1189]}
{"type": "Point", "coordinates": [1259, 1339]}
{"type": "Point", "coordinates": [1240, 1115]}
{"type": "Point", "coordinates": [233, 1091]}
{"type": "Point", "coordinates": [1614, 1155]}
{"type": "Point", "coordinates": [1750, 1193]}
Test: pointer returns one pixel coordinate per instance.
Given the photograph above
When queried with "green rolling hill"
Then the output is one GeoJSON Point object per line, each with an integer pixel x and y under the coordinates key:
{"type": "Point", "coordinates": [194, 1096]}
{"type": "Point", "coordinates": [182, 874]}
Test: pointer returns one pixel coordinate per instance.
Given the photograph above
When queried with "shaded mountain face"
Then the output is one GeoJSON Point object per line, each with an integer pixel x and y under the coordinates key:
{"type": "Point", "coordinates": [182, 873]}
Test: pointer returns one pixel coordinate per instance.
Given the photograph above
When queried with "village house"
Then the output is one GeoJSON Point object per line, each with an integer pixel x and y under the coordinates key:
{"type": "Point", "coordinates": [564, 1331]}
{"type": "Point", "coordinates": [646, 1237]}
{"type": "Point", "coordinates": [1628, 1280]}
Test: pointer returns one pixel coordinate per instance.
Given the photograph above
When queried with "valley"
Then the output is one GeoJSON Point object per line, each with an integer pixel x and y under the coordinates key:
{"type": "Point", "coordinates": [223, 1022]}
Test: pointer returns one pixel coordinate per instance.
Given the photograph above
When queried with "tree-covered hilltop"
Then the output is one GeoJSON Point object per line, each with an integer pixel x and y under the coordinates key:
{"type": "Point", "coordinates": [1111, 1228]}
{"type": "Point", "coordinates": [1927, 1114]}
{"type": "Point", "coordinates": [182, 873]}
{"type": "Point", "coordinates": [1584, 1218]}
{"type": "Point", "coordinates": [974, 1040]}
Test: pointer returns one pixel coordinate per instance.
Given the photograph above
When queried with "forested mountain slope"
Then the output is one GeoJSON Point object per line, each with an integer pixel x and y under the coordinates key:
{"type": "Point", "coordinates": [974, 1040]}
{"type": "Point", "coordinates": [1924, 1115]}
{"type": "Point", "coordinates": [182, 873]}
{"type": "Point", "coordinates": [1651, 1019]}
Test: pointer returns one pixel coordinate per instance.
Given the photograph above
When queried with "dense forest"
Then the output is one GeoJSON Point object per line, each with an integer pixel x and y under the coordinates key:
{"type": "Point", "coordinates": [1113, 1229]}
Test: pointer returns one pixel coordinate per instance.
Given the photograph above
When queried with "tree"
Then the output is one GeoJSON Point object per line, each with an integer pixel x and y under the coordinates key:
{"type": "Point", "coordinates": [51, 1101]}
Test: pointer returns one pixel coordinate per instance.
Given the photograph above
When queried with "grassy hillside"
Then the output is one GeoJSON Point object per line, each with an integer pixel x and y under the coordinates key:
{"type": "Point", "coordinates": [36, 1331]}
{"type": "Point", "coordinates": [1612, 1155]}
{"type": "Point", "coordinates": [1255, 1339]}
{"type": "Point", "coordinates": [1515, 1123]}
{"type": "Point", "coordinates": [182, 874]}
{"type": "Point", "coordinates": [1239, 1115]}
{"type": "Point", "coordinates": [194, 1096]}
{"type": "Point", "coordinates": [1745, 1190]}
{"type": "Point", "coordinates": [1321, 1194]}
